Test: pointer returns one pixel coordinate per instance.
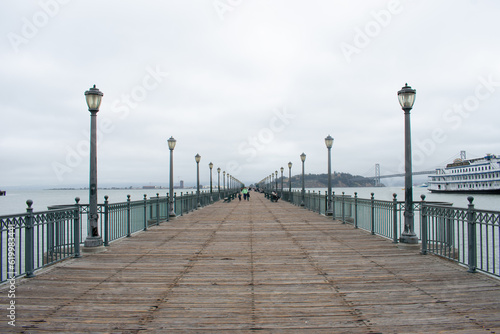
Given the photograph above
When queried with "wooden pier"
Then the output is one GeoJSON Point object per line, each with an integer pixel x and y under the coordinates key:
{"type": "Point", "coordinates": [255, 266]}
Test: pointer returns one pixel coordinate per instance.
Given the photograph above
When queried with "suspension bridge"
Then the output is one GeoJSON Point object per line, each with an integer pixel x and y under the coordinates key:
{"type": "Point", "coordinates": [377, 175]}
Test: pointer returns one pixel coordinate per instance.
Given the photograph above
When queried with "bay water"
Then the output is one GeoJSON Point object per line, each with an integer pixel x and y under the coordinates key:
{"type": "Point", "coordinates": [15, 200]}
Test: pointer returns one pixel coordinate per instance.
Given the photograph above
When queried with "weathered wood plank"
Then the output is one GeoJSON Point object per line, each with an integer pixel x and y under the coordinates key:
{"type": "Point", "coordinates": [242, 267]}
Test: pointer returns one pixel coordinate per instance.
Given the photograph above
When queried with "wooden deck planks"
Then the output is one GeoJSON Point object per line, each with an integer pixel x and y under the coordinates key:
{"type": "Point", "coordinates": [256, 266]}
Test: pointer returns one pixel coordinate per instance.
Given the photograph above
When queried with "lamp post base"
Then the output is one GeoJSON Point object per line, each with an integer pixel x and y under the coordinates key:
{"type": "Point", "coordinates": [172, 215]}
{"type": "Point", "coordinates": [410, 247]}
{"type": "Point", "coordinates": [93, 242]}
{"type": "Point", "coordinates": [93, 245]}
{"type": "Point", "coordinates": [408, 239]}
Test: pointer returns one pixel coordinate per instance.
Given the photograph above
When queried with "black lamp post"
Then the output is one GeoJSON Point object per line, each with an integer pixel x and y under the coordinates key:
{"type": "Point", "coordinates": [171, 145]}
{"type": "Point", "coordinates": [329, 144]}
{"type": "Point", "coordinates": [290, 181]}
{"type": "Point", "coordinates": [197, 158]}
{"type": "Point", "coordinates": [93, 97]}
{"type": "Point", "coordinates": [406, 98]}
{"type": "Point", "coordinates": [218, 181]}
{"type": "Point", "coordinates": [211, 165]}
{"type": "Point", "coordinates": [303, 159]}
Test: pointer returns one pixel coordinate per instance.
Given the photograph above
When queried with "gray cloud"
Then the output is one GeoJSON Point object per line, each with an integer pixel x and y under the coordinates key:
{"type": "Point", "coordinates": [229, 70]}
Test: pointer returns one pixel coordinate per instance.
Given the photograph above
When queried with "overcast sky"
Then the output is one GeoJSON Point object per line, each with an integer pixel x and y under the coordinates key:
{"type": "Point", "coordinates": [247, 84]}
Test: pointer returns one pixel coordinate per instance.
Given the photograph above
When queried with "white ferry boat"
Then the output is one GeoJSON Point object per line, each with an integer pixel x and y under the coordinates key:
{"type": "Point", "coordinates": [481, 175]}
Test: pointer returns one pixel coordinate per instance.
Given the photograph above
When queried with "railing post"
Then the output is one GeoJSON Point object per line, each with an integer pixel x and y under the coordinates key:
{"type": "Point", "coordinates": [423, 225]}
{"type": "Point", "coordinates": [128, 216]}
{"type": "Point", "coordinates": [28, 246]}
{"type": "Point", "coordinates": [326, 202]}
{"type": "Point", "coordinates": [394, 218]}
{"type": "Point", "coordinates": [343, 208]}
{"type": "Point", "coordinates": [76, 228]}
{"type": "Point", "coordinates": [182, 200]}
{"type": "Point", "coordinates": [106, 221]}
{"type": "Point", "coordinates": [319, 202]}
{"type": "Point", "coordinates": [174, 201]}
{"type": "Point", "coordinates": [372, 227]}
{"type": "Point", "coordinates": [333, 205]}
{"type": "Point", "coordinates": [145, 213]}
{"type": "Point", "coordinates": [355, 210]}
{"type": "Point", "coordinates": [157, 209]}
{"type": "Point", "coordinates": [471, 227]}
{"type": "Point", "coordinates": [51, 244]}
{"type": "Point", "coordinates": [167, 207]}
{"type": "Point", "coordinates": [192, 203]}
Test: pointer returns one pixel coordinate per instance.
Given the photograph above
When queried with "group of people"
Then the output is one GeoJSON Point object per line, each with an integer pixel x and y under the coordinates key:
{"type": "Point", "coordinates": [246, 194]}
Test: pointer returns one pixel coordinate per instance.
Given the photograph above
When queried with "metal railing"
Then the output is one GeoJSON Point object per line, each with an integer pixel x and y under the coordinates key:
{"type": "Point", "coordinates": [379, 217]}
{"type": "Point", "coordinates": [30, 241]}
{"type": "Point", "coordinates": [468, 236]}
{"type": "Point", "coordinates": [33, 240]}
{"type": "Point", "coordinates": [465, 235]}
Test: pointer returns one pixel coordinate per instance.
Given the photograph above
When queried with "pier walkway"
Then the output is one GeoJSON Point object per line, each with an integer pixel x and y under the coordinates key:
{"type": "Point", "coordinates": [257, 266]}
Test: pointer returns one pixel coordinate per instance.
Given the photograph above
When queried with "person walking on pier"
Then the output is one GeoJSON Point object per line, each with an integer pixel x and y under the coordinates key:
{"type": "Point", "coordinates": [245, 193]}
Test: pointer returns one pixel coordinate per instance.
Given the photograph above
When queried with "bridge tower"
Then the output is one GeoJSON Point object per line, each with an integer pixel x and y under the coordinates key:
{"type": "Point", "coordinates": [463, 156]}
{"type": "Point", "coordinates": [377, 175]}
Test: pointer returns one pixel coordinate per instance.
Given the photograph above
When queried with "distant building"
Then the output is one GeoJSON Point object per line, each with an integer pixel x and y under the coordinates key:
{"type": "Point", "coordinates": [149, 187]}
{"type": "Point", "coordinates": [181, 184]}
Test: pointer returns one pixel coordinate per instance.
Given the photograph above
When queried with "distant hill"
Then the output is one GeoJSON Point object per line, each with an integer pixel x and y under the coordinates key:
{"type": "Point", "coordinates": [321, 181]}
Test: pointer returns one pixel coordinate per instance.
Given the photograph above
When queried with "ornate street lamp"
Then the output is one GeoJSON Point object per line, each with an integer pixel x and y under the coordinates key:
{"type": "Point", "coordinates": [276, 180]}
{"type": "Point", "coordinates": [281, 169]}
{"type": "Point", "coordinates": [218, 181]}
{"type": "Point", "coordinates": [211, 165]}
{"type": "Point", "coordinates": [93, 97]}
{"type": "Point", "coordinates": [224, 182]}
{"type": "Point", "coordinates": [329, 144]}
{"type": "Point", "coordinates": [197, 158]}
{"type": "Point", "coordinates": [171, 145]}
{"type": "Point", "coordinates": [406, 97]}
{"type": "Point", "coordinates": [290, 181]}
{"type": "Point", "coordinates": [303, 159]}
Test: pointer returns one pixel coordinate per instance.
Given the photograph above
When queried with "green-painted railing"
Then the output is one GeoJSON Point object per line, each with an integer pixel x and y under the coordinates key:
{"type": "Point", "coordinates": [30, 240]}
{"type": "Point", "coordinates": [468, 236]}
{"type": "Point", "coordinates": [379, 217]}
{"type": "Point", "coordinates": [33, 240]}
